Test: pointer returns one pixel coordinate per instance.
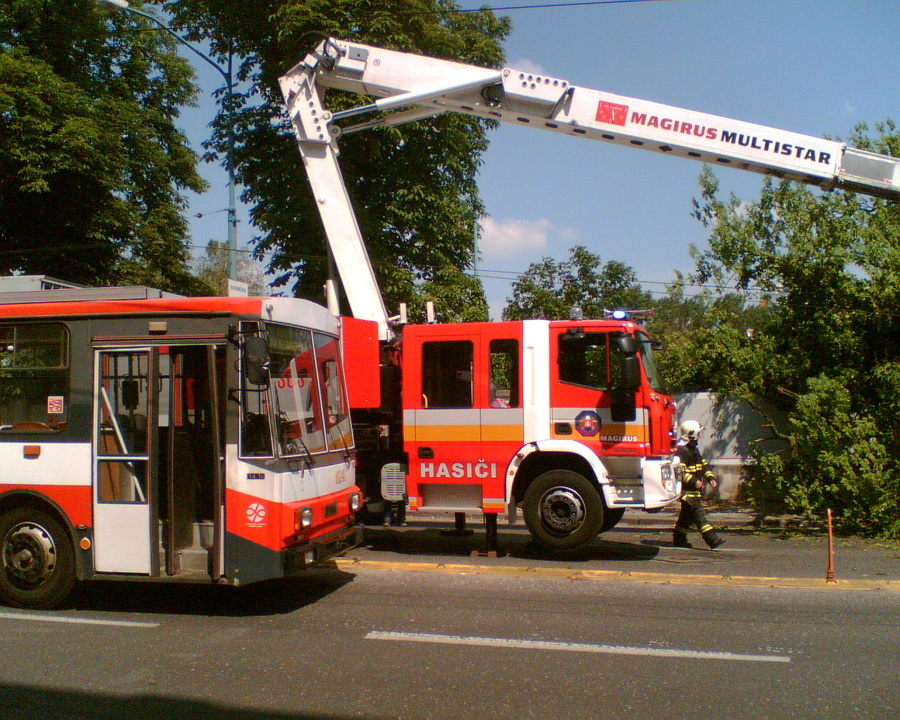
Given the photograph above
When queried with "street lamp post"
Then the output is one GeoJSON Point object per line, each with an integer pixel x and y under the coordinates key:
{"type": "Point", "coordinates": [229, 97]}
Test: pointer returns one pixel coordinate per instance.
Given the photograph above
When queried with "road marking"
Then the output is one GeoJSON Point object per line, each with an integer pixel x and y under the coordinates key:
{"type": "Point", "coordinates": [570, 647]}
{"type": "Point", "coordinates": [75, 620]}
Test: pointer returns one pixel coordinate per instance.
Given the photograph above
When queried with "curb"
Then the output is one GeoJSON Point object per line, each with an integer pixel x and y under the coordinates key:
{"type": "Point", "coordinates": [350, 563]}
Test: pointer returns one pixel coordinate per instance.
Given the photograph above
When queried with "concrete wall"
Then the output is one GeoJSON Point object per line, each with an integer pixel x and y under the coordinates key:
{"type": "Point", "coordinates": [732, 428]}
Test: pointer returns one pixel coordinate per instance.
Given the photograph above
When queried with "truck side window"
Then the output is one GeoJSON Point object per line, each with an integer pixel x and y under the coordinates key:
{"type": "Point", "coordinates": [34, 378]}
{"type": "Point", "coordinates": [447, 374]}
{"type": "Point", "coordinates": [584, 359]}
{"type": "Point", "coordinates": [504, 380]}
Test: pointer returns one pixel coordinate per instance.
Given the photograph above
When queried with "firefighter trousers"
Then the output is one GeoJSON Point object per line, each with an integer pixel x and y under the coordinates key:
{"type": "Point", "coordinates": [692, 514]}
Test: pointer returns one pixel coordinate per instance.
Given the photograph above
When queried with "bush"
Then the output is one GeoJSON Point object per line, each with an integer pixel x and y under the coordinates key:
{"type": "Point", "coordinates": [837, 462]}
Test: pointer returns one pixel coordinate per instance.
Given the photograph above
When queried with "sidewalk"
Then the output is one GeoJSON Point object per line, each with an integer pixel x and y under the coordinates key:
{"type": "Point", "coordinates": [776, 552]}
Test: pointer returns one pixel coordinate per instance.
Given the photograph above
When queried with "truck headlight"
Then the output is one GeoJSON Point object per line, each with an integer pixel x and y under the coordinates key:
{"type": "Point", "coordinates": [355, 502]}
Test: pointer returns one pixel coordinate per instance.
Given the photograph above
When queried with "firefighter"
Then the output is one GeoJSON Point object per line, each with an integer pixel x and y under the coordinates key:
{"type": "Point", "coordinates": [696, 473]}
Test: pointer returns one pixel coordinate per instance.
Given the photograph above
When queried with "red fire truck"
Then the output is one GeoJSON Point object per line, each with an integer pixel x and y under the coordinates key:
{"type": "Point", "coordinates": [151, 436]}
{"type": "Point", "coordinates": [563, 419]}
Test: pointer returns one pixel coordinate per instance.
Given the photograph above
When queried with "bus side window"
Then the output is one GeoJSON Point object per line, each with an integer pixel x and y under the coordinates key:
{"type": "Point", "coordinates": [34, 378]}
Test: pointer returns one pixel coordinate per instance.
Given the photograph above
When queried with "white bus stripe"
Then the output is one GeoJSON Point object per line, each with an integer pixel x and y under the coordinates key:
{"type": "Point", "coordinates": [75, 620]}
{"type": "Point", "coordinates": [569, 647]}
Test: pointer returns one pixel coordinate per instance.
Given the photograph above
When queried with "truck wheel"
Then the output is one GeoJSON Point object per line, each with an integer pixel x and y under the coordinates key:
{"type": "Point", "coordinates": [611, 518]}
{"type": "Point", "coordinates": [563, 510]}
{"type": "Point", "coordinates": [37, 563]}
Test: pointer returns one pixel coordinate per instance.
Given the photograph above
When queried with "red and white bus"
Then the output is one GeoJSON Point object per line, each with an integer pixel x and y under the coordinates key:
{"type": "Point", "coordinates": [151, 436]}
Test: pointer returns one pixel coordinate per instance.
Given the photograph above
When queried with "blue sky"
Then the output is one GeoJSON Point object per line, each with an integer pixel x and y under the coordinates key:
{"type": "Point", "coordinates": [816, 67]}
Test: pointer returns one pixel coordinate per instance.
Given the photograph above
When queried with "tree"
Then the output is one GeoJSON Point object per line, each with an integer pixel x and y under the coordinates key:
{"type": "Point", "coordinates": [550, 290]}
{"type": "Point", "coordinates": [831, 262]}
{"type": "Point", "coordinates": [715, 341]}
{"type": "Point", "coordinates": [413, 186]}
{"type": "Point", "coordinates": [92, 167]}
{"type": "Point", "coordinates": [212, 269]}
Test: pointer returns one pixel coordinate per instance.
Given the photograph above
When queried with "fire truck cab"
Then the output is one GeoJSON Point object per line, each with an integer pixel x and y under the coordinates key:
{"type": "Point", "coordinates": [558, 418]}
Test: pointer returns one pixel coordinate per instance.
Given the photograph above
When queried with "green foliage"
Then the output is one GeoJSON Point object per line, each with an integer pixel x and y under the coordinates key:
{"type": "Point", "coordinates": [92, 166]}
{"type": "Point", "coordinates": [457, 297]}
{"type": "Point", "coordinates": [838, 462]}
{"type": "Point", "coordinates": [550, 290]}
{"type": "Point", "coordinates": [412, 186]}
{"type": "Point", "coordinates": [825, 349]}
{"type": "Point", "coordinates": [212, 269]}
{"type": "Point", "coordinates": [717, 343]}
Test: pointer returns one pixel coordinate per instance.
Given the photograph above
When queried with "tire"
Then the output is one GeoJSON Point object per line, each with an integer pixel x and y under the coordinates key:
{"type": "Point", "coordinates": [37, 562]}
{"type": "Point", "coordinates": [611, 518]}
{"type": "Point", "coordinates": [563, 510]}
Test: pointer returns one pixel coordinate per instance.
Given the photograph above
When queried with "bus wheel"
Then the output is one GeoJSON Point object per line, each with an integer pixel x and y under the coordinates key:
{"type": "Point", "coordinates": [38, 563]}
{"type": "Point", "coordinates": [563, 510]}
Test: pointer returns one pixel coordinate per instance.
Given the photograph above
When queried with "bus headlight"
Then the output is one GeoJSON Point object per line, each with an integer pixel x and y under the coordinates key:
{"type": "Point", "coordinates": [303, 518]}
{"type": "Point", "coordinates": [355, 502]}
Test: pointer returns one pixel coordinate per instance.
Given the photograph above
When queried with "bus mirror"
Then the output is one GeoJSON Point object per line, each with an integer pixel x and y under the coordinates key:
{"type": "Point", "coordinates": [256, 360]}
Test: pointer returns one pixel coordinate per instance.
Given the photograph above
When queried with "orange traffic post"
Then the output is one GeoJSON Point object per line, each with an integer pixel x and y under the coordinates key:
{"type": "Point", "coordinates": [829, 572]}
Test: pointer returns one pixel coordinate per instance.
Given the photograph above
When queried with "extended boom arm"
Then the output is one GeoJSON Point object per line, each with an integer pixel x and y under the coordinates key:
{"type": "Point", "coordinates": [419, 87]}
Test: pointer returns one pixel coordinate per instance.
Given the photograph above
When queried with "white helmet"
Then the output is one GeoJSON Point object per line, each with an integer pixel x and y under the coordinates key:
{"type": "Point", "coordinates": [690, 430]}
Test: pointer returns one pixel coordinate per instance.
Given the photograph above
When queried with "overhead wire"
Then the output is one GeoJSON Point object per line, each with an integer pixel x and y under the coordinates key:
{"type": "Point", "coordinates": [539, 6]}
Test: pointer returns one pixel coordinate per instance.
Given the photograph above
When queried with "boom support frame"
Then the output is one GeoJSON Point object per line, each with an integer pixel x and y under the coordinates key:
{"type": "Point", "coordinates": [413, 87]}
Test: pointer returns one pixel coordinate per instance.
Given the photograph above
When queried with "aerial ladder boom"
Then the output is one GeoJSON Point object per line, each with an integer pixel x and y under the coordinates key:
{"type": "Point", "coordinates": [409, 87]}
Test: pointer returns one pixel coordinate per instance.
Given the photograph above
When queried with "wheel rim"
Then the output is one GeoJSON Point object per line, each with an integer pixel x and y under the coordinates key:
{"type": "Point", "coordinates": [29, 555]}
{"type": "Point", "coordinates": [562, 510]}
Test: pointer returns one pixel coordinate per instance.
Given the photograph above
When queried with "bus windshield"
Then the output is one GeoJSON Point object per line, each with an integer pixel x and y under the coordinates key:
{"type": "Point", "coordinates": [310, 401]}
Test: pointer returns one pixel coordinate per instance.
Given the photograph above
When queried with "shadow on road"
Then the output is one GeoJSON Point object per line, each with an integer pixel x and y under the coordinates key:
{"type": "Point", "coordinates": [444, 542]}
{"type": "Point", "coordinates": [22, 702]}
{"type": "Point", "coordinates": [272, 597]}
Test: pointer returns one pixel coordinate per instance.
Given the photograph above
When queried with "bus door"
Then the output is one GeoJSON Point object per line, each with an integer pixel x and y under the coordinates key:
{"type": "Point", "coordinates": [126, 406]}
{"type": "Point", "coordinates": [158, 446]}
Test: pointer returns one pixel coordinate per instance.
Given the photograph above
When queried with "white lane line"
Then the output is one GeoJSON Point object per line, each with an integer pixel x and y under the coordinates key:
{"type": "Point", "coordinates": [76, 620]}
{"type": "Point", "coordinates": [569, 647]}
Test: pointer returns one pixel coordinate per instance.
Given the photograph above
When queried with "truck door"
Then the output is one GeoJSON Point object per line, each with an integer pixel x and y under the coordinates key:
{"type": "Point", "coordinates": [462, 414]}
{"type": "Point", "coordinates": [499, 398]}
{"type": "Point", "coordinates": [591, 400]}
{"type": "Point", "coordinates": [441, 420]}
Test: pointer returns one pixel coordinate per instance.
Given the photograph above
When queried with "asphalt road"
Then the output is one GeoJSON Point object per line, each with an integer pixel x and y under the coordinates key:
{"type": "Point", "coordinates": [396, 631]}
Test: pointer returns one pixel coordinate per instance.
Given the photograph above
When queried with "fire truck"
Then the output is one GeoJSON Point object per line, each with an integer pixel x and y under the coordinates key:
{"type": "Point", "coordinates": [564, 419]}
{"type": "Point", "coordinates": [145, 435]}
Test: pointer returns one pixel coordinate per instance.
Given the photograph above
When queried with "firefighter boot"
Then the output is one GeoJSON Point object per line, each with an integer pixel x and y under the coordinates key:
{"type": "Point", "coordinates": [679, 539]}
{"type": "Point", "coordinates": [712, 539]}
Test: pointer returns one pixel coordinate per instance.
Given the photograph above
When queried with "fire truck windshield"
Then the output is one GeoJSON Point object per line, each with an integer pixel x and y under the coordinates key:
{"type": "Point", "coordinates": [649, 359]}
